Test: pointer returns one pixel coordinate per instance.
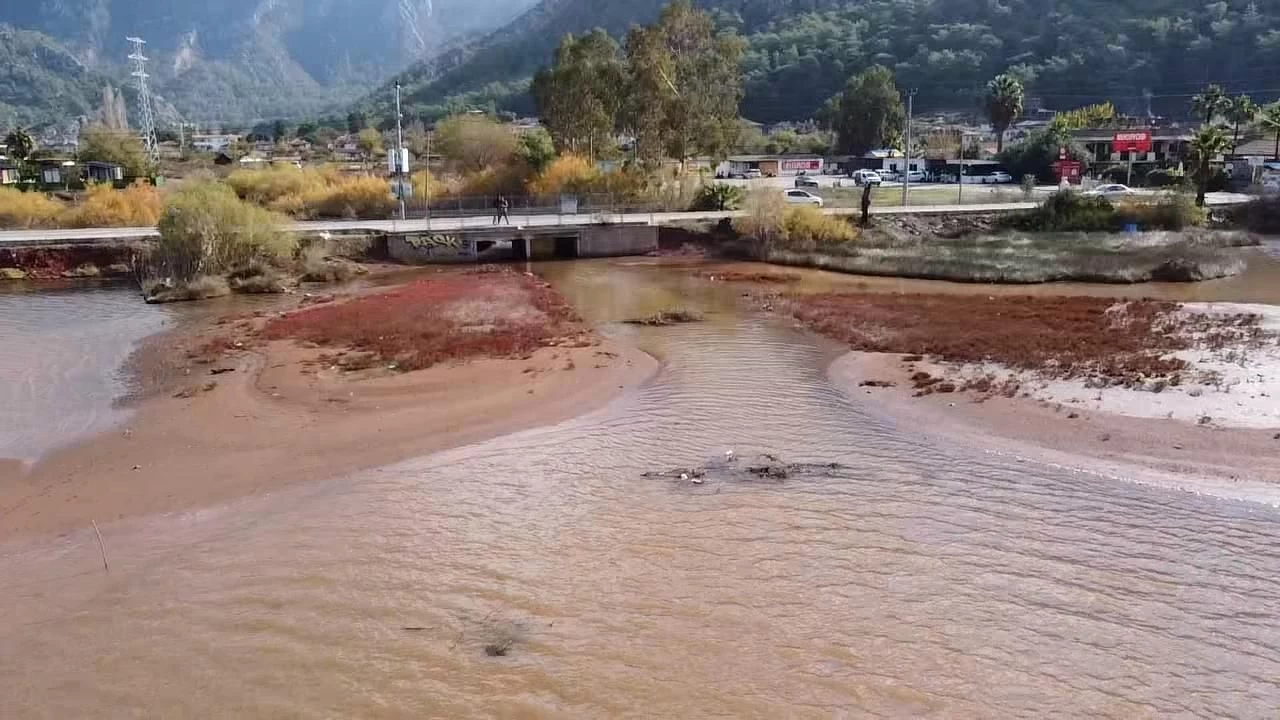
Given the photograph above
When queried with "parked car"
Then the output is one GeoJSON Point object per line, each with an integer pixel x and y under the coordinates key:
{"type": "Point", "coordinates": [803, 197]}
{"type": "Point", "coordinates": [867, 177]}
{"type": "Point", "coordinates": [753, 174]}
{"type": "Point", "coordinates": [1110, 192]}
{"type": "Point", "coordinates": [916, 176]}
{"type": "Point", "coordinates": [997, 177]}
{"type": "Point", "coordinates": [803, 181]}
{"type": "Point", "coordinates": [889, 175]}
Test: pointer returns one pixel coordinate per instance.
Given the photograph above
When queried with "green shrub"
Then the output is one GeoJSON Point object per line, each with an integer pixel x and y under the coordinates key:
{"type": "Point", "coordinates": [1165, 177]}
{"type": "Point", "coordinates": [1174, 212]}
{"type": "Point", "coordinates": [206, 230]}
{"type": "Point", "coordinates": [1066, 211]}
{"type": "Point", "coordinates": [717, 197]}
{"type": "Point", "coordinates": [1261, 215]}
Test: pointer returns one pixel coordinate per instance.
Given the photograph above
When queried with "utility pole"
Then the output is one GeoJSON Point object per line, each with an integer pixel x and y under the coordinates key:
{"type": "Point", "coordinates": [144, 98]}
{"type": "Point", "coordinates": [400, 155]}
{"type": "Point", "coordinates": [906, 163]}
{"type": "Point", "coordinates": [960, 171]}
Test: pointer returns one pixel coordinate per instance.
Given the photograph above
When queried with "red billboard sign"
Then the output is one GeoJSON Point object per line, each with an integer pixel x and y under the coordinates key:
{"type": "Point", "coordinates": [1134, 141]}
{"type": "Point", "coordinates": [809, 165]}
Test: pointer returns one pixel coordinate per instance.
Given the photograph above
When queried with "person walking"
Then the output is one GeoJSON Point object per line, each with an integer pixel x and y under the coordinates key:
{"type": "Point", "coordinates": [503, 207]}
{"type": "Point", "coordinates": [497, 209]}
{"type": "Point", "coordinates": [866, 204]}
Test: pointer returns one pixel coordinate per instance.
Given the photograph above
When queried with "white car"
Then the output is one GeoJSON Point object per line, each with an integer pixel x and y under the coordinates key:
{"type": "Point", "coordinates": [997, 177]}
{"type": "Point", "coordinates": [803, 197]}
{"type": "Point", "coordinates": [867, 177]}
{"type": "Point", "coordinates": [915, 176]}
{"type": "Point", "coordinates": [1110, 192]}
{"type": "Point", "coordinates": [753, 174]}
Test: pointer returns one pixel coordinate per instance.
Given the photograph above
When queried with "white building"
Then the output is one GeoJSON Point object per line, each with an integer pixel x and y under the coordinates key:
{"type": "Point", "coordinates": [213, 143]}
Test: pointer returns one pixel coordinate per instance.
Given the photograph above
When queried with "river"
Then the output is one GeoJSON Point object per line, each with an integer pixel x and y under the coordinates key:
{"type": "Point", "coordinates": [917, 578]}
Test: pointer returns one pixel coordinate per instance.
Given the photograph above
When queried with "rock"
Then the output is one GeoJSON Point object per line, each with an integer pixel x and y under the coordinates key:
{"type": "Point", "coordinates": [1073, 416]}
{"type": "Point", "coordinates": [1104, 437]}
{"type": "Point", "coordinates": [1177, 446]}
{"type": "Point", "coordinates": [88, 270]}
{"type": "Point", "coordinates": [118, 269]}
{"type": "Point", "coordinates": [1195, 392]}
{"type": "Point", "coordinates": [13, 274]}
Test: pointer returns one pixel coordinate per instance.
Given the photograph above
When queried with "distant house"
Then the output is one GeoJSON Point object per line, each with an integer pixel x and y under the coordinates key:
{"type": "Point", "coordinates": [346, 149]}
{"type": "Point", "coordinates": [299, 146]}
{"type": "Point", "coordinates": [770, 165]}
{"type": "Point", "coordinates": [1168, 146]}
{"type": "Point", "coordinates": [10, 173]}
{"type": "Point", "coordinates": [56, 171]}
{"type": "Point", "coordinates": [102, 172]}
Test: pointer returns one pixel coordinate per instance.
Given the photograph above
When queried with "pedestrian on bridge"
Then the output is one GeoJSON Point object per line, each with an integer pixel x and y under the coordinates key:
{"type": "Point", "coordinates": [500, 208]}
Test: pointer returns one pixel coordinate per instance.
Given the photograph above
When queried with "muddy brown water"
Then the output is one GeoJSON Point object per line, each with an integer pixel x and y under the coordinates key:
{"type": "Point", "coordinates": [920, 579]}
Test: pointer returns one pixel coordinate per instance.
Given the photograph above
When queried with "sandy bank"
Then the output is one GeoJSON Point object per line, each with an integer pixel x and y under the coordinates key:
{"type": "Point", "coordinates": [1115, 438]}
{"type": "Point", "coordinates": [277, 412]}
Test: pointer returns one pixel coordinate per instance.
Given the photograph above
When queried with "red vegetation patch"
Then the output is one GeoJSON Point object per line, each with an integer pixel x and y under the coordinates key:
{"type": "Point", "coordinates": [1058, 336]}
{"type": "Point", "coordinates": [452, 316]}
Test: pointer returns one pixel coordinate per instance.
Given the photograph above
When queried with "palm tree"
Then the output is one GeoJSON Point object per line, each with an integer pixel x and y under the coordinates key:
{"type": "Point", "coordinates": [1210, 103]}
{"type": "Point", "coordinates": [20, 144]}
{"type": "Point", "coordinates": [1004, 104]}
{"type": "Point", "coordinates": [1208, 143]}
{"type": "Point", "coordinates": [1240, 111]}
{"type": "Point", "coordinates": [1271, 121]}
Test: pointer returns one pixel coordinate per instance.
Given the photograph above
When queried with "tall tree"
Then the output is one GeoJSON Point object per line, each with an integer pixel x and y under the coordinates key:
{"type": "Point", "coordinates": [1241, 110]}
{"type": "Point", "coordinates": [279, 131]}
{"type": "Point", "coordinates": [1271, 121]}
{"type": "Point", "coordinates": [1210, 103]}
{"type": "Point", "coordinates": [1004, 104]}
{"type": "Point", "coordinates": [356, 121]}
{"type": "Point", "coordinates": [20, 144]}
{"type": "Point", "coordinates": [114, 146]}
{"type": "Point", "coordinates": [475, 142]}
{"type": "Point", "coordinates": [868, 114]}
{"type": "Point", "coordinates": [579, 96]}
{"type": "Point", "coordinates": [1208, 143]}
{"type": "Point", "coordinates": [684, 84]}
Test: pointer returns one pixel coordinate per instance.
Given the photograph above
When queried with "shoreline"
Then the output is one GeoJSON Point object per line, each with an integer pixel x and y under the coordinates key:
{"type": "Point", "coordinates": [1233, 462]}
{"type": "Point", "coordinates": [278, 413]}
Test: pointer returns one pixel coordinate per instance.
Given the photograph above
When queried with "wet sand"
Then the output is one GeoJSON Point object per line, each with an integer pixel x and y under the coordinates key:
{"type": "Point", "coordinates": [1243, 461]}
{"type": "Point", "coordinates": [274, 420]}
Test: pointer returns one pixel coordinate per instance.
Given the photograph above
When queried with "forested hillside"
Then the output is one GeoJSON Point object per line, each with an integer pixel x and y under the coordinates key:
{"type": "Point", "coordinates": [228, 60]}
{"type": "Point", "coordinates": [1155, 53]}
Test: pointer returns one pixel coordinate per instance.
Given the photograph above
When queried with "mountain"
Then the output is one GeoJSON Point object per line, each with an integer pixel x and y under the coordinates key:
{"type": "Point", "coordinates": [1146, 57]}
{"type": "Point", "coordinates": [229, 60]}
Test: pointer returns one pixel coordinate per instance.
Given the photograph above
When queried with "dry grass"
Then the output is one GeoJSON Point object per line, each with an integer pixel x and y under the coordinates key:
{"type": "Point", "coordinates": [314, 192]}
{"type": "Point", "coordinates": [26, 210]}
{"type": "Point", "coordinates": [138, 205]}
{"type": "Point", "coordinates": [567, 173]}
{"type": "Point", "coordinates": [356, 197]}
{"type": "Point", "coordinates": [1066, 337]}
{"type": "Point", "coordinates": [454, 316]}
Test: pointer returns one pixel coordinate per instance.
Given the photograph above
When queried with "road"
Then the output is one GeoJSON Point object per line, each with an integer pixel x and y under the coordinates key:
{"type": "Point", "coordinates": [479, 222]}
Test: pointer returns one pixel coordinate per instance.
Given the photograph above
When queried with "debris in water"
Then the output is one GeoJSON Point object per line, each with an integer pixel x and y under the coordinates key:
{"type": "Point", "coordinates": [666, 317]}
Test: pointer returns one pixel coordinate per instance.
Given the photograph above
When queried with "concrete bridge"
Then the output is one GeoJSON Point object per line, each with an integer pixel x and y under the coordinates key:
{"type": "Point", "coordinates": [497, 244]}
{"type": "Point", "coordinates": [519, 224]}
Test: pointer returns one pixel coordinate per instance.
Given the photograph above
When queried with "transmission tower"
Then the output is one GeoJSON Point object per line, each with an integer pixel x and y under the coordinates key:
{"type": "Point", "coordinates": [144, 97]}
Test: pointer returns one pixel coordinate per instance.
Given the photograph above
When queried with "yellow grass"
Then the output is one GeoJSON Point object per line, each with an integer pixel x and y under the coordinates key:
{"type": "Point", "coordinates": [138, 205]}
{"type": "Point", "coordinates": [23, 210]}
{"type": "Point", "coordinates": [355, 197]}
{"type": "Point", "coordinates": [567, 173]}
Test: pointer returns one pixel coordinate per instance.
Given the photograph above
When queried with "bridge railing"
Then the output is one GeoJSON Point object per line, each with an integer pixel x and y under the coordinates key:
{"type": "Point", "coordinates": [453, 206]}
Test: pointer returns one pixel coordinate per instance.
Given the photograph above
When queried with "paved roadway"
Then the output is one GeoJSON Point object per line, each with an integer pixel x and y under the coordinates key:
{"type": "Point", "coordinates": [478, 222]}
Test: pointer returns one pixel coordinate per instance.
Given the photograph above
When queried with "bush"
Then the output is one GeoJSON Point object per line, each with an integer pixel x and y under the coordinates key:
{"type": "Point", "coordinates": [1261, 215]}
{"type": "Point", "coordinates": [567, 173]}
{"type": "Point", "coordinates": [1219, 181]}
{"type": "Point", "coordinates": [24, 210]}
{"type": "Point", "coordinates": [272, 184]}
{"type": "Point", "coordinates": [206, 230]}
{"type": "Point", "coordinates": [1165, 177]}
{"type": "Point", "coordinates": [138, 205]}
{"type": "Point", "coordinates": [807, 228]}
{"type": "Point", "coordinates": [1174, 212]}
{"type": "Point", "coordinates": [1069, 211]}
{"type": "Point", "coordinates": [425, 185]}
{"type": "Point", "coordinates": [357, 197]}
{"type": "Point", "coordinates": [764, 221]}
{"type": "Point", "coordinates": [717, 197]}
{"type": "Point", "coordinates": [1066, 211]}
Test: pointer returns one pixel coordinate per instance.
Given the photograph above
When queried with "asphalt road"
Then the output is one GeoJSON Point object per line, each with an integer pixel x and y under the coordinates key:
{"type": "Point", "coordinates": [477, 222]}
